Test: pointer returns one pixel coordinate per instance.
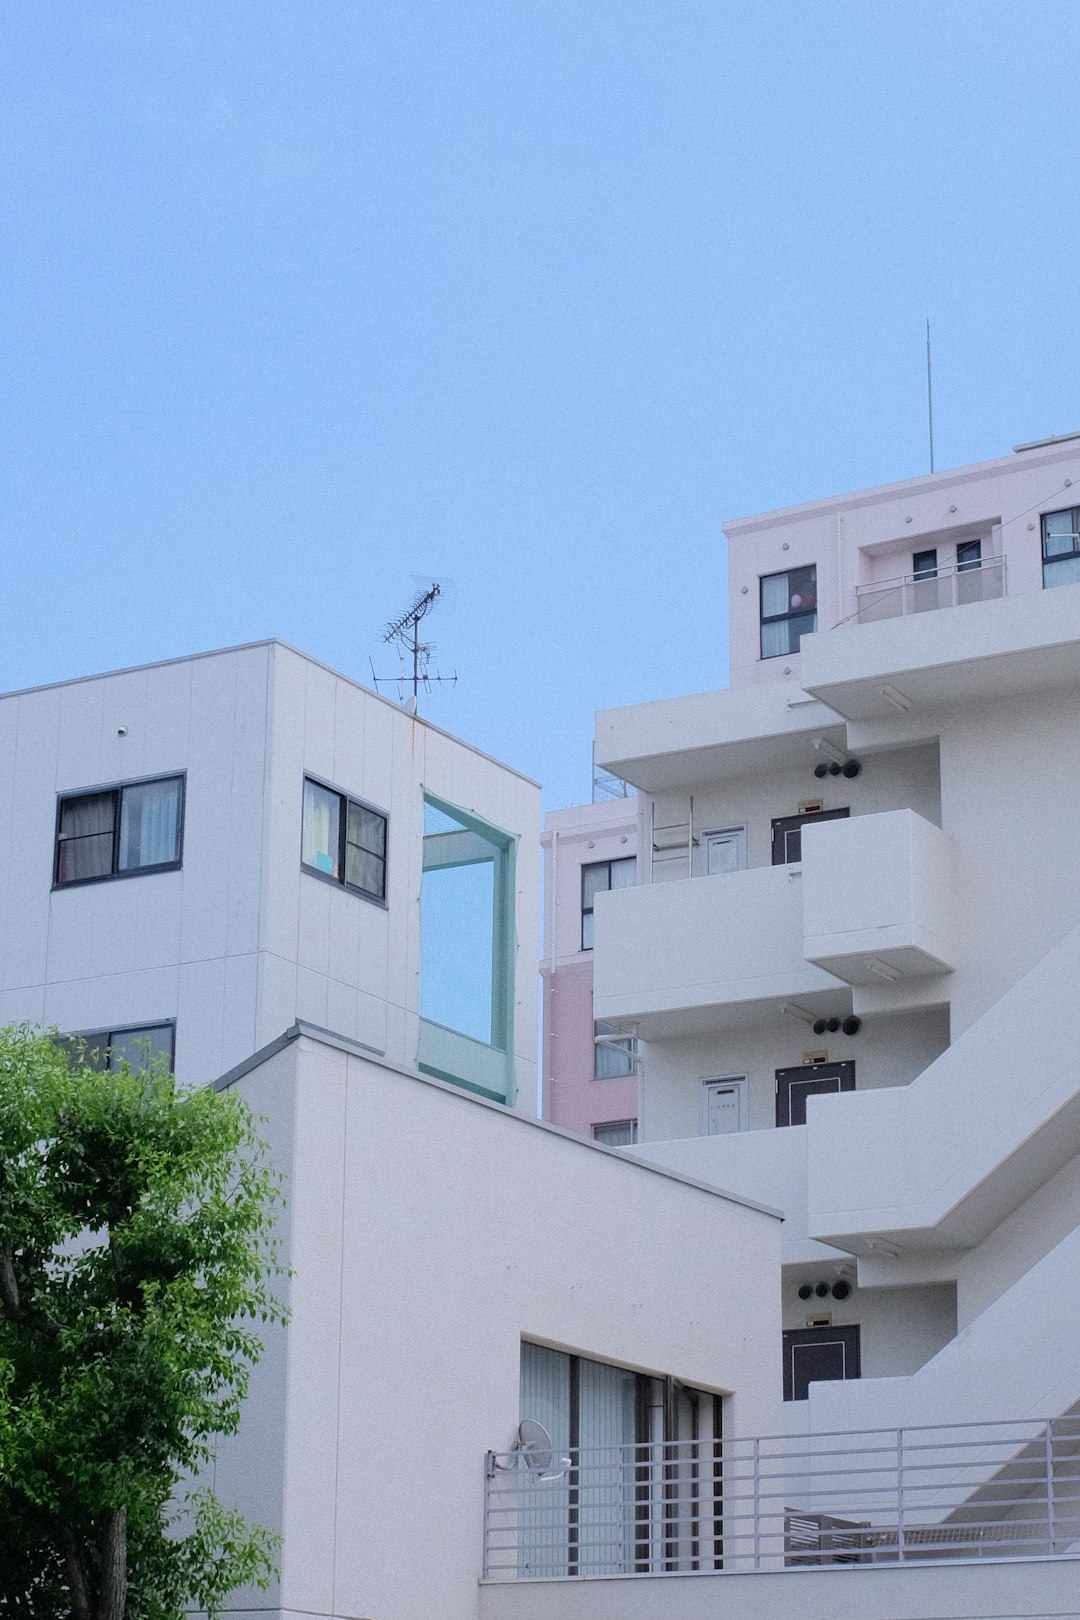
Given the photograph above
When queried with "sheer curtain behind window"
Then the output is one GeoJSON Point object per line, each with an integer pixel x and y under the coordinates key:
{"type": "Point", "coordinates": [149, 825]}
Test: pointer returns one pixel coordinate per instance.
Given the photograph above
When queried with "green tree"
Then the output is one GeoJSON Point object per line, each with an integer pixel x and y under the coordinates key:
{"type": "Point", "coordinates": [137, 1261]}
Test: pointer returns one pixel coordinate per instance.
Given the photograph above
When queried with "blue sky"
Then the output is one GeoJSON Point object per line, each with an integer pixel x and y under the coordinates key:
{"type": "Point", "coordinates": [300, 302]}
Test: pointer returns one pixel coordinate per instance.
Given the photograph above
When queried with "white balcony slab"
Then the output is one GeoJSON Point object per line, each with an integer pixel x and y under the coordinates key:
{"type": "Point", "coordinates": [964, 654]}
{"type": "Point", "coordinates": [878, 897]}
{"type": "Point", "coordinates": [713, 735]}
{"type": "Point", "coordinates": [701, 944]}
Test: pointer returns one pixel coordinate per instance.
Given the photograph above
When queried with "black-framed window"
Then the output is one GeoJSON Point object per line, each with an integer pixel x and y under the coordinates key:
{"type": "Point", "coordinates": [788, 610]}
{"type": "Point", "coordinates": [119, 831]}
{"type": "Point", "coordinates": [924, 564]}
{"type": "Point", "coordinates": [968, 556]}
{"type": "Point", "coordinates": [343, 840]}
{"type": "Point", "coordinates": [597, 878]}
{"type": "Point", "coordinates": [1061, 547]}
{"type": "Point", "coordinates": [134, 1044]}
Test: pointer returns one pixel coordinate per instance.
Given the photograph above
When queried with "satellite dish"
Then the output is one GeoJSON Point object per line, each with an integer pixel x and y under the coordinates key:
{"type": "Point", "coordinates": [534, 1446]}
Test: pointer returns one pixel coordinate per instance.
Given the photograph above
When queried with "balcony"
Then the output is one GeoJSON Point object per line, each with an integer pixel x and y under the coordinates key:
{"type": "Point", "coordinates": [919, 1495]}
{"type": "Point", "coordinates": [914, 593]}
{"type": "Point", "coordinates": [878, 897]}
{"type": "Point", "coordinates": [685, 955]}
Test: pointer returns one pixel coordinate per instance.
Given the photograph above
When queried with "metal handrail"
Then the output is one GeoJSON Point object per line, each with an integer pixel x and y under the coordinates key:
{"type": "Point", "coordinates": [988, 1490]}
{"type": "Point", "coordinates": [979, 580]}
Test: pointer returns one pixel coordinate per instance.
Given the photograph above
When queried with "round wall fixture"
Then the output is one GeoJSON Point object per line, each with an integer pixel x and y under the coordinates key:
{"type": "Point", "coordinates": [822, 1290]}
{"type": "Point", "coordinates": [806, 1291]}
{"type": "Point", "coordinates": [852, 1025]}
{"type": "Point", "coordinates": [852, 769]}
{"type": "Point", "coordinates": [841, 1289]}
{"type": "Point", "coordinates": [821, 770]}
{"type": "Point", "coordinates": [833, 1025]}
{"type": "Point", "coordinates": [820, 1026]}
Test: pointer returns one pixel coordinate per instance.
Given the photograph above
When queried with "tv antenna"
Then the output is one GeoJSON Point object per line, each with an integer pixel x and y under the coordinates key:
{"type": "Point", "coordinates": [405, 630]}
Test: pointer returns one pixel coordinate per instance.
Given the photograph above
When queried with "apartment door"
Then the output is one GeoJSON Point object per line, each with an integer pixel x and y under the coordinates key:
{"type": "Point", "coordinates": [818, 1355]}
{"type": "Point", "coordinates": [793, 1086]}
{"type": "Point", "coordinates": [787, 834]}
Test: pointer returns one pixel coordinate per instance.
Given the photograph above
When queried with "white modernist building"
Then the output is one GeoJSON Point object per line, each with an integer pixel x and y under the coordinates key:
{"type": "Point", "coordinates": [864, 1010]}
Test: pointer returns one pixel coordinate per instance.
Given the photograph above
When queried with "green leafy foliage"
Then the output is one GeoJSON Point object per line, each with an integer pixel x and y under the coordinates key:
{"type": "Point", "coordinates": [137, 1266]}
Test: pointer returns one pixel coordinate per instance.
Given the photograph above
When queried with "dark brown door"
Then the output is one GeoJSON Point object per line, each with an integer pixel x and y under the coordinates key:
{"type": "Point", "coordinates": [793, 1086]}
{"type": "Point", "coordinates": [818, 1355]}
{"type": "Point", "coordinates": [787, 834]}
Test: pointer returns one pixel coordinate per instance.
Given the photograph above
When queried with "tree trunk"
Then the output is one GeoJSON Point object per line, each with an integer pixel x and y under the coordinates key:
{"type": "Point", "coordinates": [112, 1596]}
{"type": "Point", "coordinates": [75, 1567]}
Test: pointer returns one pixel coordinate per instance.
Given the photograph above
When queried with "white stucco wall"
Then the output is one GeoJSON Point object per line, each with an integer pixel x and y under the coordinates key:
{"type": "Point", "coordinates": [239, 942]}
{"type": "Point", "coordinates": [428, 1233]}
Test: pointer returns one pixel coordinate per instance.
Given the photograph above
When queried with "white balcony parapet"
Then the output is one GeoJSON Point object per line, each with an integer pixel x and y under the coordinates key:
{"type": "Point", "coordinates": [736, 1506]}
{"type": "Point", "coordinates": [878, 900]}
{"type": "Point", "coordinates": [701, 943]}
{"type": "Point", "coordinates": [925, 593]}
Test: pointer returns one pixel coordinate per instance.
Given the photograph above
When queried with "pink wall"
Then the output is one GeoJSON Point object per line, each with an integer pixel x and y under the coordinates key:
{"type": "Point", "coordinates": [871, 535]}
{"type": "Point", "coordinates": [572, 839]}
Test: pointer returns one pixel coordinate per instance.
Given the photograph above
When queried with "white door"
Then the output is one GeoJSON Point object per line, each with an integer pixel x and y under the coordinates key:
{"type": "Point", "coordinates": [725, 851]}
{"type": "Point", "coordinates": [723, 1106]}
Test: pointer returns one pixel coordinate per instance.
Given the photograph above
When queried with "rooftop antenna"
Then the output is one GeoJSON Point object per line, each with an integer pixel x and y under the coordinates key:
{"type": "Point", "coordinates": [405, 630]}
{"type": "Point", "coordinates": [929, 395]}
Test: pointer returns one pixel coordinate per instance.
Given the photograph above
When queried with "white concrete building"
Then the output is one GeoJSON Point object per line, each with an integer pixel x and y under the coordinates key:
{"type": "Point", "coordinates": [200, 852]}
{"type": "Point", "coordinates": [883, 962]}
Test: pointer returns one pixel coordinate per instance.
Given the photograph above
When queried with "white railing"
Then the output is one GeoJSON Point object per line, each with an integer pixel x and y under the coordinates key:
{"type": "Point", "coordinates": [925, 593]}
{"type": "Point", "coordinates": [985, 1490]}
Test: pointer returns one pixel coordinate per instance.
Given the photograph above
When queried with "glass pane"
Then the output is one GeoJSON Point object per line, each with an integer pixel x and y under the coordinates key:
{"type": "Point", "coordinates": [774, 595]}
{"type": "Point", "coordinates": [543, 1518]}
{"type": "Point", "coordinates": [802, 589]}
{"type": "Point", "coordinates": [624, 873]}
{"type": "Point", "coordinates": [1058, 532]}
{"type": "Point", "coordinates": [137, 1046]}
{"type": "Point", "coordinates": [968, 555]}
{"type": "Point", "coordinates": [612, 1059]}
{"type": "Point", "coordinates": [149, 824]}
{"type": "Point", "coordinates": [595, 880]}
{"type": "Point", "coordinates": [92, 813]}
{"type": "Point", "coordinates": [586, 930]}
{"type": "Point", "coordinates": [607, 1496]}
{"type": "Point", "coordinates": [776, 639]}
{"type": "Point", "coordinates": [456, 915]}
{"type": "Point", "coordinates": [365, 871]}
{"type": "Point", "coordinates": [621, 1133]}
{"type": "Point", "coordinates": [367, 829]}
{"type": "Point", "coordinates": [320, 844]}
{"type": "Point", "coordinates": [1065, 572]}
{"type": "Point", "coordinates": [88, 857]}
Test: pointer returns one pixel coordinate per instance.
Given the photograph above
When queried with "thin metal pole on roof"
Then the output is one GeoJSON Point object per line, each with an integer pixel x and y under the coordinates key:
{"type": "Point", "coordinates": [929, 395]}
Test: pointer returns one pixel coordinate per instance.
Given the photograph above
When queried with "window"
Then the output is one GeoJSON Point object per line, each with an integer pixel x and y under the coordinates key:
{"type": "Point", "coordinates": [1061, 547]}
{"type": "Point", "coordinates": [597, 879]}
{"type": "Point", "coordinates": [924, 564]}
{"type": "Point", "coordinates": [343, 840]}
{"type": "Point", "coordinates": [118, 831]}
{"type": "Point", "coordinates": [788, 610]}
{"type": "Point", "coordinates": [616, 1133]}
{"type": "Point", "coordinates": [613, 1054]}
{"type": "Point", "coordinates": [105, 1049]}
{"type": "Point", "coordinates": [640, 1488]}
{"type": "Point", "coordinates": [968, 556]}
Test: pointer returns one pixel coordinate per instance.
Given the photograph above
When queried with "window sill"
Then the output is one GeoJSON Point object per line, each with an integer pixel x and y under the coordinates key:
{"type": "Point", "coordinates": [117, 877]}
{"type": "Point", "coordinates": [344, 888]}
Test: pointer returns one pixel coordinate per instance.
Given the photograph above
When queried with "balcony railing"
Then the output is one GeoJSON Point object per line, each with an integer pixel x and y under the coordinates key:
{"type": "Point", "coordinates": [925, 593]}
{"type": "Point", "coordinates": [895, 1496]}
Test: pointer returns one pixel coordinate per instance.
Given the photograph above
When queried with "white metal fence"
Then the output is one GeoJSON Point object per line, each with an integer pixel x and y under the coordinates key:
{"type": "Point", "coordinates": [924, 593]}
{"type": "Point", "coordinates": [986, 1490]}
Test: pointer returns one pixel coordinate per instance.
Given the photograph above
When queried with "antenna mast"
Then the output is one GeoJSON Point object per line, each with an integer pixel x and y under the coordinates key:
{"type": "Point", "coordinates": [929, 395]}
{"type": "Point", "coordinates": [405, 630]}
